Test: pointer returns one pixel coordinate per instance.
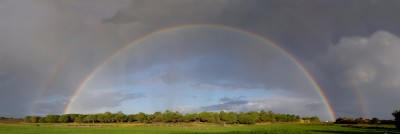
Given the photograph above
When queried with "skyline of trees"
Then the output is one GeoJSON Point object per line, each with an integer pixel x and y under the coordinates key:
{"type": "Point", "coordinates": [396, 114]}
{"type": "Point", "coordinates": [221, 117]}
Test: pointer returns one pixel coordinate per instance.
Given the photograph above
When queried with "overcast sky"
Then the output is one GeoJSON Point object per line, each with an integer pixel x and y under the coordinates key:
{"type": "Point", "coordinates": [351, 48]}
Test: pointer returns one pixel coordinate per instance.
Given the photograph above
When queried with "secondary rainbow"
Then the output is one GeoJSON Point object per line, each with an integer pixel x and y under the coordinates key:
{"type": "Point", "coordinates": [53, 74]}
{"type": "Point", "coordinates": [121, 50]}
{"type": "Point", "coordinates": [357, 91]}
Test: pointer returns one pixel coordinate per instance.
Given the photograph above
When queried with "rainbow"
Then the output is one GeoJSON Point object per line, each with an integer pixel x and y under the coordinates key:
{"type": "Point", "coordinates": [50, 78]}
{"type": "Point", "coordinates": [357, 91]}
{"type": "Point", "coordinates": [121, 50]}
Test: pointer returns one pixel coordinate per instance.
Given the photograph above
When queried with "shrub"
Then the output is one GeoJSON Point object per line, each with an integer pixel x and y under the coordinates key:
{"type": "Point", "coordinates": [396, 115]}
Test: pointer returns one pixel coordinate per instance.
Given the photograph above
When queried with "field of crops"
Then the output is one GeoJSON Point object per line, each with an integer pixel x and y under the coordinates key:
{"type": "Point", "coordinates": [73, 128]}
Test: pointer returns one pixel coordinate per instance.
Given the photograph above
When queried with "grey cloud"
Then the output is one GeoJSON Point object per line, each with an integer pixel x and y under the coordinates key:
{"type": "Point", "coordinates": [90, 101]}
{"type": "Point", "coordinates": [228, 105]}
{"type": "Point", "coordinates": [48, 48]}
{"type": "Point", "coordinates": [364, 71]}
{"type": "Point", "coordinates": [286, 22]}
{"type": "Point", "coordinates": [313, 107]}
{"type": "Point", "coordinates": [226, 99]}
{"type": "Point", "coordinates": [49, 107]}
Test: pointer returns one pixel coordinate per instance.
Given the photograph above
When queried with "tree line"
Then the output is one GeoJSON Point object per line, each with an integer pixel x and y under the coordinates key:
{"type": "Point", "coordinates": [345, 120]}
{"type": "Point", "coordinates": [396, 114]}
{"type": "Point", "coordinates": [396, 121]}
{"type": "Point", "coordinates": [250, 117]}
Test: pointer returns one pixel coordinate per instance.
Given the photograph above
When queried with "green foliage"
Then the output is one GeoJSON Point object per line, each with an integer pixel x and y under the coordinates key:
{"type": "Point", "coordinates": [79, 118]}
{"type": "Point", "coordinates": [27, 119]}
{"type": "Point", "coordinates": [101, 118]}
{"type": "Point", "coordinates": [131, 118]}
{"type": "Point", "coordinates": [42, 120]}
{"type": "Point", "coordinates": [64, 118]}
{"type": "Point", "coordinates": [314, 119]}
{"type": "Point", "coordinates": [52, 118]}
{"type": "Point", "coordinates": [229, 118]}
{"type": "Point", "coordinates": [174, 117]}
{"type": "Point", "coordinates": [120, 117]}
{"type": "Point", "coordinates": [170, 117]}
{"type": "Point", "coordinates": [344, 120]}
{"type": "Point", "coordinates": [32, 119]}
{"type": "Point", "coordinates": [141, 117]}
{"type": "Point", "coordinates": [158, 117]}
{"type": "Point", "coordinates": [246, 118]}
{"type": "Point", "coordinates": [264, 116]}
{"type": "Point", "coordinates": [190, 117]}
{"type": "Point", "coordinates": [108, 117]}
{"type": "Point", "coordinates": [207, 117]}
{"type": "Point", "coordinates": [267, 116]}
{"type": "Point", "coordinates": [90, 118]}
{"type": "Point", "coordinates": [255, 115]}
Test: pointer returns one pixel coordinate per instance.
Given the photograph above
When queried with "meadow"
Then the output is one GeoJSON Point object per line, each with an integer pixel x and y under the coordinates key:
{"type": "Point", "coordinates": [192, 128]}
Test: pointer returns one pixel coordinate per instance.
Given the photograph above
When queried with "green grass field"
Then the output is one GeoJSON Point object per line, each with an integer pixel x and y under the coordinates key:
{"type": "Point", "coordinates": [153, 129]}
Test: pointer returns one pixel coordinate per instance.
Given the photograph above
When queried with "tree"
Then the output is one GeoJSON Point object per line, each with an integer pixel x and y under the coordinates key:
{"type": "Point", "coordinates": [108, 117]}
{"type": "Point", "coordinates": [231, 118]}
{"type": "Point", "coordinates": [271, 116]}
{"type": "Point", "coordinates": [79, 118]}
{"type": "Point", "coordinates": [141, 117]}
{"type": "Point", "coordinates": [35, 119]}
{"type": "Point", "coordinates": [72, 117]}
{"type": "Point", "coordinates": [190, 117]}
{"type": "Point", "coordinates": [222, 115]}
{"type": "Point", "coordinates": [396, 114]}
{"type": "Point", "coordinates": [52, 118]}
{"type": "Point", "coordinates": [42, 120]}
{"type": "Point", "coordinates": [27, 119]}
{"type": "Point", "coordinates": [168, 116]}
{"type": "Point", "coordinates": [345, 121]}
{"type": "Point", "coordinates": [374, 121]}
{"type": "Point", "coordinates": [314, 119]}
{"type": "Point", "coordinates": [221, 118]}
{"type": "Point", "coordinates": [178, 117]}
{"type": "Point", "coordinates": [255, 115]}
{"type": "Point", "coordinates": [131, 118]}
{"type": "Point", "coordinates": [206, 117]}
{"type": "Point", "coordinates": [246, 118]}
{"type": "Point", "coordinates": [263, 116]}
{"type": "Point", "coordinates": [158, 117]}
{"type": "Point", "coordinates": [90, 118]}
{"type": "Point", "coordinates": [31, 119]}
{"type": "Point", "coordinates": [119, 117]}
{"type": "Point", "coordinates": [64, 118]}
{"type": "Point", "coordinates": [101, 118]}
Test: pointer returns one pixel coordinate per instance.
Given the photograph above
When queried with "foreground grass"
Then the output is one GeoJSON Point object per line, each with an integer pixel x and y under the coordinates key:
{"type": "Point", "coordinates": [177, 129]}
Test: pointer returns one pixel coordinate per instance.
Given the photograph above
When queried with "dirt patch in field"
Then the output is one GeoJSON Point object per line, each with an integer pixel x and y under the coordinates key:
{"type": "Point", "coordinates": [10, 121]}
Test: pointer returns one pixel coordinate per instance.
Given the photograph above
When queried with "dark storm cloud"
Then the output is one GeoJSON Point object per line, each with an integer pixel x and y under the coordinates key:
{"type": "Point", "coordinates": [303, 27]}
{"type": "Point", "coordinates": [364, 71]}
{"type": "Point", "coordinates": [36, 40]}
{"type": "Point", "coordinates": [47, 48]}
